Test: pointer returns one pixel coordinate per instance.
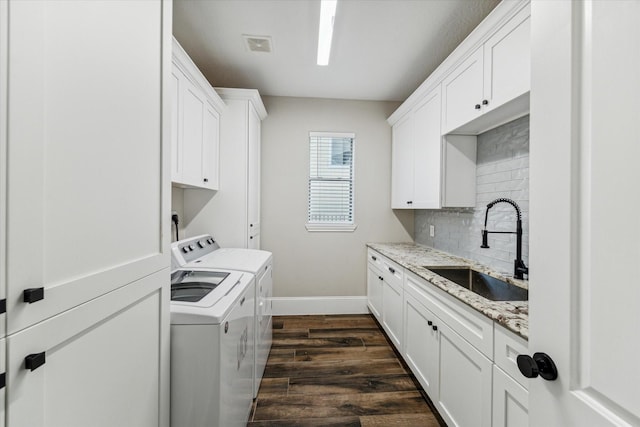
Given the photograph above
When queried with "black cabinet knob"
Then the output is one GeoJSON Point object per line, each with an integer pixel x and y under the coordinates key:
{"type": "Point", "coordinates": [32, 295]}
{"type": "Point", "coordinates": [380, 277]}
{"type": "Point", "coordinates": [478, 106]}
{"type": "Point", "coordinates": [540, 364]}
{"type": "Point", "coordinates": [485, 102]}
{"type": "Point", "coordinates": [434, 327]}
{"type": "Point", "coordinates": [392, 270]}
{"type": "Point", "coordinates": [429, 322]}
{"type": "Point", "coordinates": [409, 202]}
{"type": "Point", "coordinates": [206, 180]}
{"type": "Point", "coordinates": [374, 258]}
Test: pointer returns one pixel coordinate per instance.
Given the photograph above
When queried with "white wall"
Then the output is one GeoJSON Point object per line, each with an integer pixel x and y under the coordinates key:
{"type": "Point", "coordinates": [325, 264]}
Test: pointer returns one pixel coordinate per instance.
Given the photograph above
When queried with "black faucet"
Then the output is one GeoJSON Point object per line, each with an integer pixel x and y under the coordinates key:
{"type": "Point", "coordinates": [519, 269]}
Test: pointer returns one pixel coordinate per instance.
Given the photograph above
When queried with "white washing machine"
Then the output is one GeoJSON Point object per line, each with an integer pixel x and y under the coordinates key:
{"type": "Point", "coordinates": [202, 251]}
{"type": "Point", "coordinates": [212, 338]}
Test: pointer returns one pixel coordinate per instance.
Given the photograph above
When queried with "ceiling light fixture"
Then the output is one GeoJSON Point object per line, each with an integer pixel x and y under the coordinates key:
{"type": "Point", "coordinates": [325, 33]}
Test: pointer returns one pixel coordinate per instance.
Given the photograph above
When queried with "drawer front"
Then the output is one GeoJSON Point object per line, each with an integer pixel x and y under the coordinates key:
{"type": "Point", "coordinates": [473, 326]}
{"type": "Point", "coordinates": [375, 259]}
{"type": "Point", "coordinates": [507, 348]}
{"type": "Point", "coordinates": [393, 272]}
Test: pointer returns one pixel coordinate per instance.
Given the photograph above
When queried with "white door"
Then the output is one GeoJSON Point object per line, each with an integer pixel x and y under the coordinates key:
{"type": "Point", "coordinates": [585, 243]}
{"type": "Point", "coordinates": [402, 163]}
{"type": "Point", "coordinates": [253, 179]}
{"type": "Point", "coordinates": [210, 148]}
{"type": "Point", "coordinates": [426, 153]}
{"type": "Point", "coordinates": [87, 200]}
{"type": "Point", "coordinates": [96, 365]}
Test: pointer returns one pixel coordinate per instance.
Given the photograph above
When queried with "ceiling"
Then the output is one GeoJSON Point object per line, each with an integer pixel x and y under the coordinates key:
{"type": "Point", "coordinates": [381, 50]}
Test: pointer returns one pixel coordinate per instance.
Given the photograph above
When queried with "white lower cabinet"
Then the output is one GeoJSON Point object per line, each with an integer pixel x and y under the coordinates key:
{"type": "Point", "coordinates": [450, 348]}
{"type": "Point", "coordinates": [464, 395]}
{"type": "Point", "coordinates": [510, 401]}
{"type": "Point", "coordinates": [101, 363]}
{"type": "Point", "coordinates": [392, 311]}
{"type": "Point", "coordinates": [421, 344]}
{"type": "Point", "coordinates": [374, 291]}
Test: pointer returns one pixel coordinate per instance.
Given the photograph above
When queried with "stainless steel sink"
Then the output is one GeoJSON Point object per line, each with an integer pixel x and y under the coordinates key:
{"type": "Point", "coordinates": [482, 284]}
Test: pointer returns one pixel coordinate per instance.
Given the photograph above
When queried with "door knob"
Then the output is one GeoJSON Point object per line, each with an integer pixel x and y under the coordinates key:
{"type": "Point", "coordinates": [540, 364]}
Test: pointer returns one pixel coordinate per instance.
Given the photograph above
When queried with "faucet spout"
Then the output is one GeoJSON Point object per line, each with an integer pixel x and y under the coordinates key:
{"type": "Point", "coordinates": [519, 267]}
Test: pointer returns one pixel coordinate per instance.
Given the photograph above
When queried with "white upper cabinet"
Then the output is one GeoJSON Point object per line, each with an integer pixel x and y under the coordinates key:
{"type": "Point", "coordinates": [402, 163]}
{"type": "Point", "coordinates": [233, 214]}
{"type": "Point", "coordinates": [494, 78]}
{"type": "Point", "coordinates": [507, 62]}
{"type": "Point", "coordinates": [429, 171]}
{"type": "Point", "coordinates": [463, 94]}
{"type": "Point", "coordinates": [195, 134]}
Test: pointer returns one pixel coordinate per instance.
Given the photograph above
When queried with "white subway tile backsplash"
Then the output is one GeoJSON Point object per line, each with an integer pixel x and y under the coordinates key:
{"type": "Point", "coordinates": [502, 171]}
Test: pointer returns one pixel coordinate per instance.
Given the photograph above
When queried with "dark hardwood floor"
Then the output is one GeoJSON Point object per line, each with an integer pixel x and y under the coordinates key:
{"type": "Point", "coordinates": [336, 371]}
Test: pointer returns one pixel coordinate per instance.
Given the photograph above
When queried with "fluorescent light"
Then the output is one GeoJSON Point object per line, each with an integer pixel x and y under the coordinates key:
{"type": "Point", "coordinates": [325, 34]}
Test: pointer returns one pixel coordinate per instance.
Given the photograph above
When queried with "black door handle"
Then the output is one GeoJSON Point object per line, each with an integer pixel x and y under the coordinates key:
{"type": "Point", "coordinates": [540, 364]}
{"type": "Point", "coordinates": [392, 270]}
{"type": "Point", "coordinates": [34, 361]}
{"type": "Point", "coordinates": [32, 295]}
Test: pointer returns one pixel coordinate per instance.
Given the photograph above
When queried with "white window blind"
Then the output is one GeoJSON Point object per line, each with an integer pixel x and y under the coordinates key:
{"type": "Point", "coordinates": [331, 178]}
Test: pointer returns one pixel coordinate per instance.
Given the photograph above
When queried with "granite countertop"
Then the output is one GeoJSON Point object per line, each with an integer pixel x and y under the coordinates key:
{"type": "Point", "coordinates": [513, 315]}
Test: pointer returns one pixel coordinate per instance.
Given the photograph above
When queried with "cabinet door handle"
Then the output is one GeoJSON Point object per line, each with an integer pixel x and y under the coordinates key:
{"type": "Point", "coordinates": [250, 225]}
{"type": "Point", "coordinates": [478, 106]}
{"type": "Point", "coordinates": [380, 278]}
{"type": "Point", "coordinates": [392, 270]}
{"type": "Point", "coordinates": [429, 322]}
{"type": "Point", "coordinates": [242, 301]}
{"type": "Point", "coordinates": [251, 237]}
{"type": "Point", "coordinates": [206, 180]}
{"type": "Point", "coordinates": [485, 102]}
{"type": "Point", "coordinates": [409, 202]}
{"type": "Point", "coordinates": [34, 361]}
{"type": "Point", "coordinates": [32, 295]}
{"type": "Point", "coordinates": [3, 380]}
{"type": "Point", "coordinates": [434, 327]}
{"type": "Point", "coordinates": [374, 258]}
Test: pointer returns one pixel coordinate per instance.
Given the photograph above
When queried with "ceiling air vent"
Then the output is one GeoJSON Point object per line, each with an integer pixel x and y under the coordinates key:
{"type": "Point", "coordinates": [258, 43]}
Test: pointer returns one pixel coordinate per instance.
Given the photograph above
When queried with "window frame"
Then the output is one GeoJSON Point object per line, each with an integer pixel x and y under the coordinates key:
{"type": "Point", "coordinates": [337, 226]}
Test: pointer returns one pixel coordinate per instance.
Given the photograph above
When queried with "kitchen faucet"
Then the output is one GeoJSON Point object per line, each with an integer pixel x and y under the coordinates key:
{"type": "Point", "coordinates": [518, 265]}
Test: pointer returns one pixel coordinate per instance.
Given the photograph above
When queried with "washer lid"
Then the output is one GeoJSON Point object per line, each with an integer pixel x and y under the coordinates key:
{"type": "Point", "coordinates": [192, 286]}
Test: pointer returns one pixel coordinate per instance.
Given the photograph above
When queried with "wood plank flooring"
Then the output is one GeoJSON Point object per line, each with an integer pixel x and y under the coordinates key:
{"type": "Point", "coordinates": [336, 371]}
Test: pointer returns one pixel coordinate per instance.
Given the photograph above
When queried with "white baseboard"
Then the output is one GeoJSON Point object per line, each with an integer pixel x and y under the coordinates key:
{"type": "Point", "coordinates": [288, 306]}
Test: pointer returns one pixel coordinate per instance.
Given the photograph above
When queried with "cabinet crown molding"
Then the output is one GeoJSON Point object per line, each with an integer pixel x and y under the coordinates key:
{"type": "Point", "coordinates": [498, 17]}
{"type": "Point", "coordinates": [251, 95]}
{"type": "Point", "coordinates": [182, 60]}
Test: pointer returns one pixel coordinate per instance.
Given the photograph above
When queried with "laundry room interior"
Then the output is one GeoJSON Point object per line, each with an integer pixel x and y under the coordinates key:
{"type": "Point", "coordinates": [229, 213]}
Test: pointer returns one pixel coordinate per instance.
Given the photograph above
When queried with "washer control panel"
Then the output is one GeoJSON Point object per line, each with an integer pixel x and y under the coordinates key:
{"type": "Point", "coordinates": [187, 250]}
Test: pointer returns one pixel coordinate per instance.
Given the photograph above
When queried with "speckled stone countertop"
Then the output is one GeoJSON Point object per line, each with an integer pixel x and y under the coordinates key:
{"type": "Point", "coordinates": [513, 315]}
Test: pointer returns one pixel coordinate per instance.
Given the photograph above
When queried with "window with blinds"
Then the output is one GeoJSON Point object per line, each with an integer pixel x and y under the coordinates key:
{"type": "Point", "coordinates": [331, 178]}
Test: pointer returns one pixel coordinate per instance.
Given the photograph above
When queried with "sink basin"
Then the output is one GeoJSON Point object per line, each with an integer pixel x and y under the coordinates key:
{"type": "Point", "coordinates": [482, 284]}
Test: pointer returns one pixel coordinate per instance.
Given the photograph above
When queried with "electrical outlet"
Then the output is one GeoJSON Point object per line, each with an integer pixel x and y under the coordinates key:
{"type": "Point", "coordinates": [432, 230]}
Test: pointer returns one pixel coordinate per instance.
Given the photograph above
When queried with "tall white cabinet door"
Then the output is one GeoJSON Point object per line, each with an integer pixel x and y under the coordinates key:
{"type": "Point", "coordinates": [464, 397]}
{"type": "Point", "coordinates": [177, 80]}
{"type": "Point", "coordinates": [402, 160]}
{"type": "Point", "coordinates": [374, 291]}
{"type": "Point", "coordinates": [507, 61]}
{"type": "Point", "coordinates": [421, 344]}
{"type": "Point", "coordinates": [584, 205]}
{"type": "Point", "coordinates": [210, 148]}
{"type": "Point", "coordinates": [427, 152]}
{"type": "Point", "coordinates": [95, 365]}
{"type": "Point", "coordinates": [462, 93]}
{"type": "Point", "coordinates": [193, 115]}
{"type": "Point", "coordinates": [510, 401]}
{"type": "Point", "coordinates": [392, 312]}
{"type": "Point", "coordinates": [253, 179]}
{"type": "Point", "coordinates": [87, 201]}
